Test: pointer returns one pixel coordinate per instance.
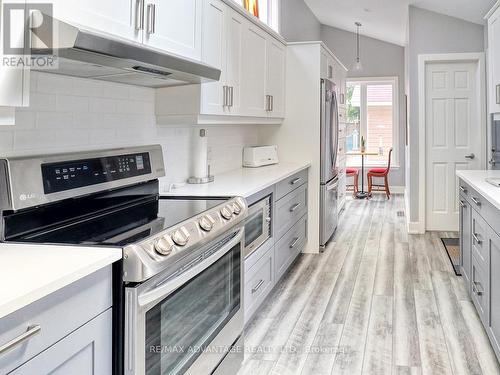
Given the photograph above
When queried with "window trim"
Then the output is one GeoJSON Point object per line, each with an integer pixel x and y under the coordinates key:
{"type": "Point", "coordinates": [395, 113]}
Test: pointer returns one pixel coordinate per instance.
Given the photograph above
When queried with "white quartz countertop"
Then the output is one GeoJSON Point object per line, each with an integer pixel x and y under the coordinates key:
{"type": "Point", "coordinates": [242, 182]}
{"type": "Point", "coordinates": [477, 179]}
{"type": "Point", "coordinates": [31, 272]}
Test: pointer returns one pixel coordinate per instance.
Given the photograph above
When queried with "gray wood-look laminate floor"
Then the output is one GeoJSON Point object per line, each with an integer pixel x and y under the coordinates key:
{"type": "Point", "coordinates": [378, 301]}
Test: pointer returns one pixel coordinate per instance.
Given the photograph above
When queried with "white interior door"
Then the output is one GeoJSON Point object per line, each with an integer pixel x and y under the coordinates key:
{"type": "Point", "coordinates": [453, 137]}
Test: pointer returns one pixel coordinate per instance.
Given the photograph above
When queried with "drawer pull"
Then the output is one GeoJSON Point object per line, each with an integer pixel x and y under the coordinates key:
{"type": "Point", "coordinates": [476, 201]}
{"type": "Point", "coordinates": [296, 181]}
{"type": "Point", "coordinates": [462, 204]}
{"type": "Point", "coordinates": [475, 289]}
{"type": "Point", "coordinates": [294, 207]}
{"type": "Point", "coordinates": [257, 287]}
{"type": "Point", "coordinates": [32, 331]}
{"type": "Point", "coordinates": [476, 239]}
{"type": "Point", "coordinates": [294, 243]}
{"type": "Point", "coordinates": [463, 190]}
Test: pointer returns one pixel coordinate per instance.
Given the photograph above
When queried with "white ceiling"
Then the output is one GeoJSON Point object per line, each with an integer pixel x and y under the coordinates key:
{"type": "Point", "coordinates": [386, 19]}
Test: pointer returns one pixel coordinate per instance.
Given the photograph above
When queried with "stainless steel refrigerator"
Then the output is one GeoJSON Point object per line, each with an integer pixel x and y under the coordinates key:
{"type": "Point", "coordinates": [328, 169]}
{"type": "Point", "coordinates": [495, 142]}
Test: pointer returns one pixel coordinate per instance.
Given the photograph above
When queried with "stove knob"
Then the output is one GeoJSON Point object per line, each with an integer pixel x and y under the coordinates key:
{"type": "Point", "coordinates": [164, 245]}
{"type": "Point", "coordinates": [206, 223]}
{"type": "Point", "coordinates": [236, 208]}
{"type": "Point", "coordinates": [226, 212]}
{"type": "Point", "coordinates": [181, 236]}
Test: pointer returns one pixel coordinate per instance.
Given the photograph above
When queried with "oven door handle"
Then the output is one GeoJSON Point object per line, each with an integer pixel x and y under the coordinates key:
{"type": "Point", "coordinates": [156, 295]}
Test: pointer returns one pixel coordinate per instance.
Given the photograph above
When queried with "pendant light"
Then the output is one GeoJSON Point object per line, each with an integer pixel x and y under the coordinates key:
{"type": "Point", "coordinates": [357, 67]}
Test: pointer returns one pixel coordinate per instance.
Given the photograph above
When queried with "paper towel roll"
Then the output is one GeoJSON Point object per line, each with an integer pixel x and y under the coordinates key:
{"type": "Point", "coordinates": [200, 154]}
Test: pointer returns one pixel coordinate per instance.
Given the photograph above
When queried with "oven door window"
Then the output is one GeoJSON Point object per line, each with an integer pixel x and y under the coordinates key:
{"type": "Point", "coordinates": [192, 316]}
{"type": "Point", "coordinates": [254, 228]}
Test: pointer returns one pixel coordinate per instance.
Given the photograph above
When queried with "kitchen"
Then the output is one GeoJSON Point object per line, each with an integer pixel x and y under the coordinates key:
{"type": "Point", "coordinates": [191, 187]}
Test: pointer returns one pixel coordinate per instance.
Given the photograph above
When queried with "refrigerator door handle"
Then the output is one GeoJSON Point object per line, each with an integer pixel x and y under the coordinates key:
{"type": "Point", "coordinates": [334, 120]}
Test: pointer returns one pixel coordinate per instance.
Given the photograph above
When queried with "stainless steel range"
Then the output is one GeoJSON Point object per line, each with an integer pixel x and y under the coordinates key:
{"type": "Point", "coordinates": [178, 301]}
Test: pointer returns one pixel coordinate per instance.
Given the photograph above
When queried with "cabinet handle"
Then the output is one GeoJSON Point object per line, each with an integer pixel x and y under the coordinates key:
{"type": "Point", "coordinates": [257, 287]}
{"type": "Point", "coordinates": [231, 96]}
{"type": "Point", "coordinates": [139, 15]}
{"type": "Point", "coordinates": [268, 103]}
{"type": "Point", "coordinates": [477, 291]}
{"type": "Point", "coordinates": [296, 181]}
{"type": "Point", "coordinates": [272, 103]}
{"type": "Point", "coordinates": [294, 243]}
{"type": "Point", "coordinates": [32, 331]}
{"type": "Point", "coordinates": [224, 96]}
{"type": "Point", "coordinates": [476, 201]}
{"type": "Point", "coordinates": [498, 94]}
{"type": "Point", "coordinates": [463, 190]}
{"type": "Point", "coordinates": [294, 207]}
{"type": "Point", "coordinates": [462, 203]}
{"type": "Point", "coordinates": [342, 99]}
{"type": "Point", "coordinates": [476, 239]}
{"type": "Point", "coordinates": [151, 18]}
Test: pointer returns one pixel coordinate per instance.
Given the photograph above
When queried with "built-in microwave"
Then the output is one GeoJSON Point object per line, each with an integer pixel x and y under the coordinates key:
{"type": "Point", "coordinates": [257, 225]}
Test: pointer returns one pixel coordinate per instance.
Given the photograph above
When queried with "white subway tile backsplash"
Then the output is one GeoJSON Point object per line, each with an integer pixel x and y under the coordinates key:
{"type": "Point", "coordinates": [71, 103]}
{"type": "Point", "coordinates": [68, 113]}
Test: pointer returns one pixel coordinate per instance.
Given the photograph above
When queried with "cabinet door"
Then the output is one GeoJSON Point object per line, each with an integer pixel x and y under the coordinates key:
{"type": "Point", "coordinates": [276, 57]}
{"type": "Point", "coordinates": [235, 25]}
{"type": "Point", "coordinates": [86, 351]}
{"type": "Point", "coordinates": [119, 18]}
{"type": "Point", "coordinates": [494, 60]}
{"type": "Point", "coordinates": [14, 82]}
{"type": "Point", "coordinates": [253, 78]}
{"type": "Point", "coordinates": [214, 54]}
{"type": "Point", "coordinates": [174, 26]}
{"type": "Point", "coordinates": [465, 239]}
{"type": "Point", "coordinates": [494, 316]}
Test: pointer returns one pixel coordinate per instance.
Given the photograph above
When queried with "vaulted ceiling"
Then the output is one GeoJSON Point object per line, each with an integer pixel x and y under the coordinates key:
{"type": "Point", "coordinates": [386, 19]}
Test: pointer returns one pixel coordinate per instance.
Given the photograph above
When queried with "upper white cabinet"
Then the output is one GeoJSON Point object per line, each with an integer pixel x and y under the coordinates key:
{"type": "Point", "coordinates": [252, 84]}
{"type": "Point", "coordinates": [276, 58]}
{"type": "Point", "coordinates": [175, 26]}
{"type": "Point", "coordinates": [124, 19]}
{"type": "Point", "coordinates": [494, 58]}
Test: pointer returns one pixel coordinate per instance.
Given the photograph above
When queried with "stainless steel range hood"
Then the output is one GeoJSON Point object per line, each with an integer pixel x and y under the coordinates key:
{"type": "Point", "coordinates": [86, 54]}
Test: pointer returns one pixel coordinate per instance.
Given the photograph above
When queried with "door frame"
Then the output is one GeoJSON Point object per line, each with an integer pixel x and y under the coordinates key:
{"type": "Point", "coordinates": [479, 59]}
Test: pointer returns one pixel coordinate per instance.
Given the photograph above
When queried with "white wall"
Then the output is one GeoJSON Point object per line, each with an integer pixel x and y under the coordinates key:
{"type": "Point", "coordinates": [380, 59]}
{"type": "Point", "coordinates": [431, 32]}
{"type": "Point", "coordinates": [298, 23]}
{"type": "Point", "coordinates": [67, 113]}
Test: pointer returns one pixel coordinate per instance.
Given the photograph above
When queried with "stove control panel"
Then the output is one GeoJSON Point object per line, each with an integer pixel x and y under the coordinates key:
{"type": "Point", "coordinates": [75, 174]}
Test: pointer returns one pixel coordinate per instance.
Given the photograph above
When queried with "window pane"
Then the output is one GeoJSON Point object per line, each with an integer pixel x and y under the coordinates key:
{"type": "Point", "coordinates": [353, 130]}
{"type": "Point", "coordinates": [379, 120]}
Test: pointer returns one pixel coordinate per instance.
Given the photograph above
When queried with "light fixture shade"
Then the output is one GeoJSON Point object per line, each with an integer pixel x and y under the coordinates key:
{"type": "Point", "coordinates": [357, 66]}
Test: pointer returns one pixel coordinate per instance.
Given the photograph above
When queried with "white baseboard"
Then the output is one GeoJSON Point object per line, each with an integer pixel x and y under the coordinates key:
{"type": "Point", "coordinates": [413, 227]}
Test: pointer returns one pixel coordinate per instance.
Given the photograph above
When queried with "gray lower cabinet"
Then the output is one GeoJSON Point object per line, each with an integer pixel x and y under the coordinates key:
{"type": "Point", "coordinates": [480, 243]}
{"type": "Point", "coordinates": [66, 331]}
{"type": "Point", "coordinates": [465, 238]}
{"type": "Point", "coordinates": [86, 351]}
{"type": "Point", "coordinates": [265, 266]}
{"type": "Point", "coordinates": [494, 291]}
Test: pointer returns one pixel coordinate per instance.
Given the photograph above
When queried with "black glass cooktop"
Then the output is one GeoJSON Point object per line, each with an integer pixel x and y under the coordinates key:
{"type": "Point", "coordinates": [118, 224]}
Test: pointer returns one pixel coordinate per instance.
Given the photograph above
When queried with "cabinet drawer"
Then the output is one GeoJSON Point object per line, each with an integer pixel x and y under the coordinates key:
{"type": "Point", "coordinates": [86, 351]}
{"type": "Point", "coordinates": [290, 246]}
{"type": "Point", "coordinates": [290, 209]}
{"type": "Point", "coordinates": [290, 184]}
{"type": "Point", "coordinates": [57, 315]}
{"type": "Point", "coordinates": [480, 239]}
{"type": "Point", "coordinates": [479, 289]}
{"type": "Point", "coordinates": [259, 281]}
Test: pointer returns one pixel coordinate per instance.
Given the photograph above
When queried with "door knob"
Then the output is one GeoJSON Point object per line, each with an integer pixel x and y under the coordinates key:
{"type": "Point", "coordinates": [470, 156]}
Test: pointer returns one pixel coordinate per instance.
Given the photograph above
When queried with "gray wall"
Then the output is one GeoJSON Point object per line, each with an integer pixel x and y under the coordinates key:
{"type": "Point", "coordinates": [431, 32]}
{"type": "Point", "coordinates": [298, 23]}
{"type": "Point", "coordinates": [379, 59]}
